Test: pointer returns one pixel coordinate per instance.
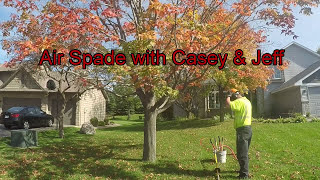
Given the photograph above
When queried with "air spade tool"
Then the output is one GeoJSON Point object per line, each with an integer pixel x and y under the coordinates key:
{"type": "Point", "coordinates": [217, 149]}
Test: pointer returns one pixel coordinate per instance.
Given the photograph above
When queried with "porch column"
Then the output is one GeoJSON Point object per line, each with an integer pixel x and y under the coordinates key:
{"type": "Point", "coordinates": [206, 100]}
{"type": "Point", "coordinates": [260, 102]}
{"type": "Point", "coordinates": [1, 103]}
{"type": "Point", "coordinates": [44, 103]}
{"type": "Point", "coordinates": [78, 113]}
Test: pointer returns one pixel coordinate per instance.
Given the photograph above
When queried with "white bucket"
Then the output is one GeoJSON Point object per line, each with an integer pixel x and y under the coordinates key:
{"type": "Point", "coordinates": [222, 156]}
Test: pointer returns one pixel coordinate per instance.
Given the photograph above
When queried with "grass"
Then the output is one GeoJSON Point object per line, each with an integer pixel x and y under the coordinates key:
{"type": "Point", "coordinates": [278, 151]}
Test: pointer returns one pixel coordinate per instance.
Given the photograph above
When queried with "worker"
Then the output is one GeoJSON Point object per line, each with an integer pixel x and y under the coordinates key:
{"type": "Point", "coordinates": [242, 109]}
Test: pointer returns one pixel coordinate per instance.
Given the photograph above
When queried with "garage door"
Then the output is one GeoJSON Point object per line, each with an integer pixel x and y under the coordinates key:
{"type": "Point", "coordinates": [314, 101]}
{"type": "Point", "coordinates": [69, 117]}
{"type": "Point", "coordinates": [11, 102]}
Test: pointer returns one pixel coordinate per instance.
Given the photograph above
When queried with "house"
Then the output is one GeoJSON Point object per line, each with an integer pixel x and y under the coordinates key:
{"type": "Point", "coordinates": [18, 87]}
{"type": "Point", "coordinates": [296, 89]}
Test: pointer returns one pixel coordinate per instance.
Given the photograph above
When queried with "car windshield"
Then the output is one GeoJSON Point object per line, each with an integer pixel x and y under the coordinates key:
{"type": "Point", "coordinates": [15, 109]}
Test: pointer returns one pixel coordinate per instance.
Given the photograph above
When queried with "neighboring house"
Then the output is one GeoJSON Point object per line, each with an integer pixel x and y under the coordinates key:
{"type": "Point", "coordinates": [293, 90]}
{"type": "Point", "coordinates": [210, 106]}
{"type": "Point", "coordinates": [204, 107]}
{"type": "Point", "coordinates": [18, 87]}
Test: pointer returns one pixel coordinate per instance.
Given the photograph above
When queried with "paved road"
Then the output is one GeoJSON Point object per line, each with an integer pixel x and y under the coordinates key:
{"type": "Point", "coordinates": [7, 133]}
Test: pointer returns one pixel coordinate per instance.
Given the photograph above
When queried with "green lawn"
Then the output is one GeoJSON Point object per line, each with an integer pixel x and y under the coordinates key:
{"type": "Point", "coordinates": [278, 151]}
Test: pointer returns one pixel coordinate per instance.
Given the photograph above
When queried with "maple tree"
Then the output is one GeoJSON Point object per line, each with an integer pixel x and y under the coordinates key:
{"type": "Point", "coordinates": [27, 37]}
{"type": "Point", "coordinates": [195, 26]}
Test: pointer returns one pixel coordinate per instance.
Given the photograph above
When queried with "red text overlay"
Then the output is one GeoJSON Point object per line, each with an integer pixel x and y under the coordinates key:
{"type": "Point", "coordinates": [156, 58]}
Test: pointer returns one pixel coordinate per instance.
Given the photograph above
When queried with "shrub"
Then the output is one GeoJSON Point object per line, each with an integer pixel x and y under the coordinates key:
{"type": "Point", "coordinates": [299, 118]}
{"type": "Point", "coordinates": [308, 114]}
{"type": "Point", "coordinates": [160, 117]}
{"type": "Point", "coordinates": [257, 119]}
{"type": "Point", "coordinates": [216, 117]}
{"type": "Point", "coordinates": [280, 120]}
{"type": "Point", "coordinates": [227, 116]}
{"type": "Point", "coordinates": [106, 120]}
{"type": "Point", "coordinates": [94, 121]}
{"type": "Point", "coordinates": [191, 116]}
{"type": "Point", "coordinates": [294, 118]}
{"type": "Point", "coordinates": [315, 119]}
{"type": "Point", "coordinates": [287, 120]}
{"type": "Point", "coordinates": [101, 123]}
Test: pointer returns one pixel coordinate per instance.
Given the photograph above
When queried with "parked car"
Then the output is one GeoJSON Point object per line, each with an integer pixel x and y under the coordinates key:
{"type": "Point", "coordinates": [26, 117]}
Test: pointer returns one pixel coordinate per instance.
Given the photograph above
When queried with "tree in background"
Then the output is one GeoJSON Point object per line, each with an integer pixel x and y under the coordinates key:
{"type": "Point", "coordinates": [125, 102]}
{"type": "Point", "coordinates": [190, 102]}
{"type": "Point", "coordinates": [111, 105]}
{"type": "Point", "coordinates": [195, 26]}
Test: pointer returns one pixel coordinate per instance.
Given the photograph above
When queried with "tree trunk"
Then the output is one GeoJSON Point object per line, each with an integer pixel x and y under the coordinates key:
{"type": "Point", "coordinates": [129, 115]}
{"type": "Point", "coordinates": [222, 103]}
{"type": "Point", "coordinates": [149, 146]}
{"type": "Point", "coordinates": [190, 115]}
{"type": "Point", "coordinates": [61, 132]}
{"type": "Point", "coordinates": [60, 115]}
{"type": "Point", "coordinates": [151, 110]}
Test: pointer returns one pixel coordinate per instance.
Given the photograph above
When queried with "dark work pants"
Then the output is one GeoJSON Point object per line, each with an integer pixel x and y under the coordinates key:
{"type": "Point", "coordinates": [244, 135]}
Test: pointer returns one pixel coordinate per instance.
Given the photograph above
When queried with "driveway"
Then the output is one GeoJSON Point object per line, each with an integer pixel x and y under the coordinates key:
{"type": "Point", "coordinates": [7, 133]}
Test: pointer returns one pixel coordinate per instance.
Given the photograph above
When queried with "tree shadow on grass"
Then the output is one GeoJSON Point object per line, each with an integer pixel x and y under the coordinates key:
{"type": "Point", "coordinates": [138, 127]}
{"type": "Point", "coordinates": [174, 169]}
{"type": "Point", "coordinates": [168, 125]}
{"type": "Point", "coordinates": [6, 140]}
{"type": "Point", "coordinates": [85, 155]}
{"type": "Point", "coordinates": [186, 124]}
{"type": "Point", "coordinates": [70, 157]}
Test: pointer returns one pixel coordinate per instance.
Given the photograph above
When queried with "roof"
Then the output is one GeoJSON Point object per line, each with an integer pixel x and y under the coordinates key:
{"type": "Point", "coordinates": [21, 90]}
{"type": "Point", "coordinates": [15, 74]}
{"type": "Point", "coordinates": [43, 78]}
{"type": "Point", "coordinates": [303, 47]}
{"type": "Point", "coordinates": [40, 78]}
{"type": "Point", "coordinates": [3, 68]}
{"type": "Point", "coordinates": [292, 82]}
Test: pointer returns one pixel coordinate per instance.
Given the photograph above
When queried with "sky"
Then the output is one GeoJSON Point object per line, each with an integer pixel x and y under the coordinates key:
{"type": "Point", "coordinates": [306, 27]}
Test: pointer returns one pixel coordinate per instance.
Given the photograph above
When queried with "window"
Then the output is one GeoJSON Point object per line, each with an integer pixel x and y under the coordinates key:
{"type": "Point", "coordinates": [37, 111]}
{"type": "Point", "coordinates": [31, 111]}
{"type": "Point", "coordinates": [42, 112]}
{"type": "Point", "coordinates": [15, 109]}
{"type": "Point", "coordinates": [213, 100]}
{"type": "Point", "coordinates": [51, 85]}
{"type": "Point", "coordinates": [277, 73]}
